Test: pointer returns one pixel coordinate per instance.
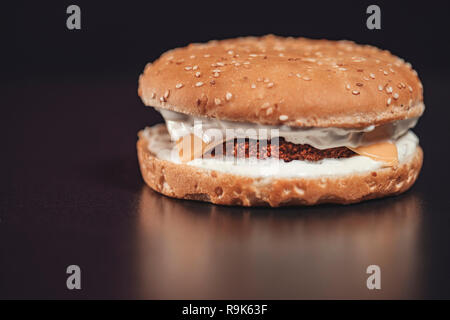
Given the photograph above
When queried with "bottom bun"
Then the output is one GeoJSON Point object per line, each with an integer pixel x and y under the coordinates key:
{"type": "Point", "coordinates": [184, 181]}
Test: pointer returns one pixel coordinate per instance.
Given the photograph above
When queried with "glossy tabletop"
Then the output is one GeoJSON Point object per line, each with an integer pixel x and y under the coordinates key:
{"type": "Point", "coordinates": [71, 193]}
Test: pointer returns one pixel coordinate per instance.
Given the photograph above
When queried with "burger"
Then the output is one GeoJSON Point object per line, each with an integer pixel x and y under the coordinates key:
{"type": "Point", "coordinates": [274, 121]}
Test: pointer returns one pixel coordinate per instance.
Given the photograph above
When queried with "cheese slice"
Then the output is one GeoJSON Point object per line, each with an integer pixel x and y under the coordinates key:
{"type": "Point", "coordinates": [190, 147]}
{"type": "Point", "coordinates": [382, 151]}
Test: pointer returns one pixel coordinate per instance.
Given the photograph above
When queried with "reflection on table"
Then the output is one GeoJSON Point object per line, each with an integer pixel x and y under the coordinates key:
{"type": "Point", "coordinates": [193, 250]}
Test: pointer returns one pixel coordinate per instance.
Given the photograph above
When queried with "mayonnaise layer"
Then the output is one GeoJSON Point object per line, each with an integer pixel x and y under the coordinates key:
{"type": "Point", "coordinates": [163, 147]}
{"type": "Point", "coordinates": [209, 129]}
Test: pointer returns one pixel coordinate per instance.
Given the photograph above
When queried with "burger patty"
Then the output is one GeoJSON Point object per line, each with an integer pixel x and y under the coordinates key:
{"type": "Point", "coordinates": [285, 150]}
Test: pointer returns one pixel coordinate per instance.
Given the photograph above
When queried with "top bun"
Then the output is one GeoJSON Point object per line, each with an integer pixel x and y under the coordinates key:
{"type": "Point", "coordinates": [292, 81]}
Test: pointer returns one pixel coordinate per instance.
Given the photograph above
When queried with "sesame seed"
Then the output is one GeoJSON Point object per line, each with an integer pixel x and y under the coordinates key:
{"type": "Point", "coordinates": [166, 94]}
{"type": "Point", "coordinates": [380, 87]}
{"type": "Point", "coordinates": [162, 99]}
{"type": "Point", "coordinates": [385, 73]}
{"type": "Point", "coordinates": [192, 57]}
{"type": "Point", "coordinates": [253, 55]}
{"type": "Point", "coordinates": [410, 89]}
{"type": "Point", "coordinates": [389, 101]}
{"type": "Point", "coordinates": [269, 111]}
{"type": "Point", "coordinates": [217, 101]}
{"type": "Point", "coordinates": [198, 74]}
{"type": "Point", "coordinates": [265, 105]}
{"type": "Point", "coordinates": [259, 79]}
{"type": "Point", "coordinates": [395, 95]}
{"type": "Point", "coordinates": [270, 85]}
{"type": "Point", "coordinates": [199, 84]}
{"type": "Point", "coordinates": [247, 62]}
{"type": "Point", "coordinates": [230, 52]}
{"type": "Point", "coordinates": [195, 67]}
{"type": "Point", "coordinates": [220, 64]}
{"type": "Point", "coordinates": [147, 66]}
{"type": "Point", "coordinates": [347, 87]}
{"type": "Point", "coordinates": [216, 75]}
{"type": "Point", "coordinates": [207, 55]}
{"type": "Point", "coordinates": [355, 92]}
{"type": "Point", "coordinates": [283, 117]}
{"type": "Point", "coordinates": [298, 75]}
{"type": "Point", "coordinates": [188, 68]}
{"type": "Point", "coordinates": [216, 70]}
{"type": "Point", "coordinates": [359, 84]}
{"type": "Point", "coordinates": [253, 86]}
{"type": "Point", "coordinates": [179, 85]}
{"type": "Point", "coordinates": [228, 96]}
{"type": "Point", "coordinates": [372, 76]}
{"type": "Point", "coordinates": [212, 81]}
{"type": "Point", "coordinates": [153, 95]}
{"type": "Point", "coordinates": [389, 89]}
{"type": "Point", "coordinates": [266, 80]}
{"type": "Point", "coordinates": [237, 64]}
{"type": "Point", "coordinates": [306, 78]}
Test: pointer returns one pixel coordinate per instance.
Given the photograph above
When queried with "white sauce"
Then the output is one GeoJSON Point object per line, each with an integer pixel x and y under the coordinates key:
{"type": "Point", "coordinates": [163, 147]}
{"type": "Point", "coordinates": [211, 129]}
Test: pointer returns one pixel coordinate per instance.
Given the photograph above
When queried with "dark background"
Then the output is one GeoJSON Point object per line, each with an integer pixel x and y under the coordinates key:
{"type": "Point", "coordinates": [71, 191]}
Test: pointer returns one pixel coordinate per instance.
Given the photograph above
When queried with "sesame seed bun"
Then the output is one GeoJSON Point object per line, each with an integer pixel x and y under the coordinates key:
{"type": "Point", "coordinates": [184, 181]}
{"type": "Point", "coordinates": [291, 81]}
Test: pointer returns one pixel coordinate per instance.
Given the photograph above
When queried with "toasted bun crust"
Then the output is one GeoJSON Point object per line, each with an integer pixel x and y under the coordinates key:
{"type": "Point", "coordinates": [187, 182]}
{"type": "Point", "coordinates": [292, 81]}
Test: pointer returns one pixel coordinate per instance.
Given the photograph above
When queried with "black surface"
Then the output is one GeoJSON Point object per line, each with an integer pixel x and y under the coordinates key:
{"type": "Point", "coordinates": [71, 191]}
